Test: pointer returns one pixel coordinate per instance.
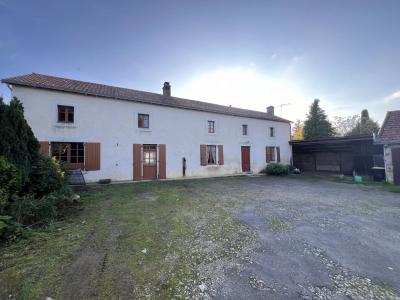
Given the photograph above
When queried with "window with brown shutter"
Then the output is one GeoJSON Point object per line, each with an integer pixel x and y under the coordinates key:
{"type": "Point", "coordinates": [211, 154]}
{"type": "Point", "coordinates": [92, 156]}
{"type": "Point", "coordinates": [220, 154]}
{"type": "Point", "coordinates": [203, 155]}
{"type": "Point", "coordinates": [270, 154]}
{"type": "Point", "coordinates": [71, 154]}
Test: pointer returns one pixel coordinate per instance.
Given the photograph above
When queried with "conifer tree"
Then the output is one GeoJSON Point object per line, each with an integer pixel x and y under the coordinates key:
{"type": "Point", "coordinates": [17, 141]}
{"type": "Point", "coordinates": [365, 125]}
{"type": "Point", "coordinates": [317, 124]}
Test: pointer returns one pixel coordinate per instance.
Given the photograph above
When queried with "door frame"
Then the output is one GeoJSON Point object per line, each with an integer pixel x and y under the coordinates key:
{"type": "Point", "coordinates": [241, 155]}
{"type": "Point", "coordinates": [156, 162]}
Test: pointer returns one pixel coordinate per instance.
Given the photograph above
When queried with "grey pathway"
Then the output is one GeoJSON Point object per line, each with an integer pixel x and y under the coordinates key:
{"type": "Point", "coordinates": [318, 239]}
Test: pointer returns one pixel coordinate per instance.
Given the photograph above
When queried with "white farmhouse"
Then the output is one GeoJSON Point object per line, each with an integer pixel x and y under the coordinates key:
{"type": "Point", "coordinates": [122, 134]}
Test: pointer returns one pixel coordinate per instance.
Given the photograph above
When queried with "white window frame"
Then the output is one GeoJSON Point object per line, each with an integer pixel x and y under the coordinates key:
{"type": "Point", "coordinates": [216, 154]}
{"type": "Point", "coordinates": [272, 130]}
{"type": "Point", "coordinates": [208, 126]}
{"type": "Point", "coordinates": [247, 129]}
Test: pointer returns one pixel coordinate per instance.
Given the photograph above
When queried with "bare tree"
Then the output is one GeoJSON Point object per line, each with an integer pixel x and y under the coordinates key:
{"type": "Point", "coordinates": [345, 125]}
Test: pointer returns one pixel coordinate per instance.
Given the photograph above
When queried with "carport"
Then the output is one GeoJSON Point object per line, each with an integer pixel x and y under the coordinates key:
{"type": "Point", "coordinates": [341, 155]}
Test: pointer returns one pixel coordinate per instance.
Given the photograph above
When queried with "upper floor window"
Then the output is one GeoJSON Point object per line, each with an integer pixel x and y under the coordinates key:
{"type": "Point", "coordinates": [211, 154]}
{"type": "Point", "coordinates": [244, 129]}
{"type": "Point", "coordinates": [65, 114]}
{"type": "Point", "coordinates": [272, 132]}
{"type": "Point", "coordinates": [143, 120]}
{"type": "Point", "coordinates": [211, 126]}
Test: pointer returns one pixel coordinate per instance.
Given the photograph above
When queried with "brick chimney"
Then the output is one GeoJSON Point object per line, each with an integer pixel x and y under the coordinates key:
{"type": "Point", "coordinates": [167, 89]}
{"type": "Point", "coordinates": [270, 110]}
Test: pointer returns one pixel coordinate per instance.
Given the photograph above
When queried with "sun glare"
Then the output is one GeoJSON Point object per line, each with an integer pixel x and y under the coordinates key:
{"type": "Point", "coordinates": [250, 89]}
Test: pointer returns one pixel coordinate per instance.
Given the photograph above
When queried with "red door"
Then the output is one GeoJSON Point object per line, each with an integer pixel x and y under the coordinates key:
{"type": "Point", "coordinates": [149, 161]}
{"type": "Point", "coordinates": [245, 159]}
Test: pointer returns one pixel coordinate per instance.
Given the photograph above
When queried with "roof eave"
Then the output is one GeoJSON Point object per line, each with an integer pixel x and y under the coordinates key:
{"type": "Point", "coordinates": [10, 81]}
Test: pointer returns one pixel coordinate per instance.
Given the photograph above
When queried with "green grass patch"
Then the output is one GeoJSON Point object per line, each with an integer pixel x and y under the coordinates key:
{"type": "Point", "coordinates": [151, 238]}
{"type": "Point", "coordinates": [279, 224]}
{"type": "Point", "coordinates": [379, 185]}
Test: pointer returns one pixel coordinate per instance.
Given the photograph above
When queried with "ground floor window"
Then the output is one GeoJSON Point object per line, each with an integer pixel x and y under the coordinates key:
{"type": "Point", "coordinates": [211, 154]}
{"type": "Point", "coordinates": [70, 153]}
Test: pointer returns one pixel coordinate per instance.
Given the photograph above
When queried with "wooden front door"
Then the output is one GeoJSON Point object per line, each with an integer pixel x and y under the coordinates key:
{"type": "Point", "coordinates": [396, 165]}
{"type": "Point", "coordinates": [245, 159]}
{"type": "Point", "coordinates": [149, 161]}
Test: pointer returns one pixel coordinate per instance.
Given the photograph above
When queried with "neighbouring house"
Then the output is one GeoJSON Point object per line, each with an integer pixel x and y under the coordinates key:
{"type": "Point", "coordinates": [124, 134]}
{"type": "Point", "coordinates": [389, 137]}
{"type": "Point", "coordinates": [341, 155]}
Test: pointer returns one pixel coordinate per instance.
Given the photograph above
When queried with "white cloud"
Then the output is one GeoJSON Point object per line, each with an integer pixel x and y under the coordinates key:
{"type": "Point", "coordinates": [392, 97]}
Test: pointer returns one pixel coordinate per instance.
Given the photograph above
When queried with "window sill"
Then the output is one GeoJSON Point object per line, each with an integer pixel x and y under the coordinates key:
{"type": "Point", "coordinates": [65, 125]}
{"type": "Point", "coordinates": [144, 130]}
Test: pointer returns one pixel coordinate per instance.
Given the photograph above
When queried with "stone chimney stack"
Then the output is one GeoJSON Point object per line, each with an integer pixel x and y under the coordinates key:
{"type": "Point", "coordinates": [270, 110]}
{"type": "Point", "coordinates": [167, 89]}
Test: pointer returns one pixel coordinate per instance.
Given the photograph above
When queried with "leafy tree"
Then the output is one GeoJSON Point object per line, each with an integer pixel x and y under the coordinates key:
{"type": "Point", "coordinates": [298, 130]}
{"type": "Point", "coordinates": [365, 125]}
{"type": "Point", "coordinates": [17, 141]}
{"type": "Point", "coordinates": [344, 125]}
{"type": "Point", "coordinates": [317, 124]}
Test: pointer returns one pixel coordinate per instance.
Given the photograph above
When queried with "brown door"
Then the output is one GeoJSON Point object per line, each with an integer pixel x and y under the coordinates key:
{"type": "Point", "coordinates": [396, 165]}
{"type": "Point", "coordinates": [245, 159]}
{"type": "Point", "coordinates": [149, 161]}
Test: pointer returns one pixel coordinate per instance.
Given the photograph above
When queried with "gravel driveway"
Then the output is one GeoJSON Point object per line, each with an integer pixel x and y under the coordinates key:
{"type": "Point", "coordinates": [317, 239]}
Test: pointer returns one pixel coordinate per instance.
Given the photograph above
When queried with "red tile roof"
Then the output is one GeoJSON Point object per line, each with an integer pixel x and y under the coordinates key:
{"type": "Point", "coordinates": [100, 90]}
{"type": "Point", "coordinates": [390, 131]}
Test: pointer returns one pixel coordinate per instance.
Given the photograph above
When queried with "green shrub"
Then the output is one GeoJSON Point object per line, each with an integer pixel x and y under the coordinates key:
{"type": "Point", "coordinates": [10, 182]}
{"type": "Point", "coordinates": [30, 210]}
{"type": "Point", "coordinates": [276, 169]}
{"type": "Point", "coordinates": [11, 230]}
{"type": "Point", "coordinates": [47, 176]}
{"type": "Point", "coordinates": [32, 187]}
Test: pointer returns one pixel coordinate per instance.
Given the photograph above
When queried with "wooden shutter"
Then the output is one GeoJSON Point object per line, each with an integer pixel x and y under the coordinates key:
{"type": "Point", "coordinates": [220, 154]}
{"type": "Point", "coordinates": [268, 154]}
{"type": "Point", "coordinates": [92, 156]}
{"type": "Point", "coordinates": [162, 172]}
{"type": "Point", "coordinates": [44, 148]}
{"type": "Point", "coordinates": [203, 155]}
{"type": "Point", "coordinates": [278, 154]}
{"type": "Point", "coordinates": [137, 162]}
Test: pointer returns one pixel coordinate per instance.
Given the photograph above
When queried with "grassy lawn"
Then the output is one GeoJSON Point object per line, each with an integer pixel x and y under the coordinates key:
{"type": "Point", "coordinates": [157, 240]}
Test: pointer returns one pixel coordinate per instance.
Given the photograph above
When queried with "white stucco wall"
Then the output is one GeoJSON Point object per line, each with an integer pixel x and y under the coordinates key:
{"type": "Point", "coordinates": [113, 123]}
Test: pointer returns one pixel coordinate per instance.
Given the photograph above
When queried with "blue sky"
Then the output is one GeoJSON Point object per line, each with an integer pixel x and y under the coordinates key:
{"type": "Point", "coordinates": [246, 53]}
